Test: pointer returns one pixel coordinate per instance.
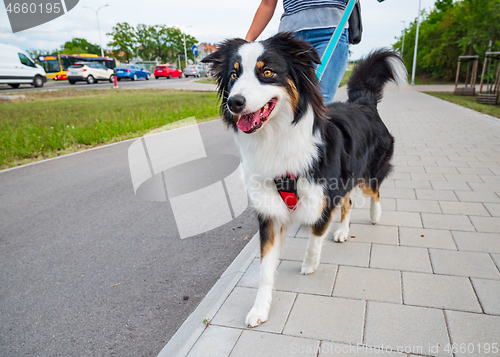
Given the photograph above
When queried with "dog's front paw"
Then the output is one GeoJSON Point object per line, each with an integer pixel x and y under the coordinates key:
{"type": "Point", "coordinates": [308, 268]}
{"type": "Point", "coordinates": [340, 235]}
{"type": "Point", "coordinates": [257, 316]}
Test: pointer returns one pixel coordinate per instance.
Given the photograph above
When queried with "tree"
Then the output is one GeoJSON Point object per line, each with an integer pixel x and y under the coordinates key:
{"type": "Point", "coordinates": [150, 42]}
{"type": "Point", "coordinates": [450, 30]}
{"type": "Point", "coordinates": [443, 5]}
{"type": "Point", "coordinates": [36, 52]}
{"type": "Point", "coordinates": [162, 42]}
{"type": "Point", "coordinates": [177, 44]}
{"type": "Point", "coordinates": [146, 43]}
{"type": "Point", "coordinates": [80, 45]}
{"type": "Point", "coordinates": [124, 40]}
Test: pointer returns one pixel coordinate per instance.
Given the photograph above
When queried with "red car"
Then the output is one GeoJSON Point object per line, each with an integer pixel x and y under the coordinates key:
{"type": "Point", "coordinates": [167, 70]}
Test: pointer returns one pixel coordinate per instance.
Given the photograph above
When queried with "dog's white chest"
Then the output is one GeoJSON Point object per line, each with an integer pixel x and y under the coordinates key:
{"type": "Point", "coordinates": [280, 148]}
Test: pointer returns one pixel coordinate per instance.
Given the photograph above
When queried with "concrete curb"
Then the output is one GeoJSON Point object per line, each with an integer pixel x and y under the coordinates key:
{"type": "Point", "coordinates": [12, 96]}
{"type": "Point", "coordinates": [187, 335]}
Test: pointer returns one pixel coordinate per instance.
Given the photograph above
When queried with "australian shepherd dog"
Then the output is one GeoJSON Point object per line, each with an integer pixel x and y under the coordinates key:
{"type": "Point", "coordinates": [301, 159]}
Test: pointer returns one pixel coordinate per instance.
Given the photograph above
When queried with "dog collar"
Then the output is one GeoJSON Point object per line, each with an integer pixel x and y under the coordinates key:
{"type": "Point", "coordinates": [286, 186]}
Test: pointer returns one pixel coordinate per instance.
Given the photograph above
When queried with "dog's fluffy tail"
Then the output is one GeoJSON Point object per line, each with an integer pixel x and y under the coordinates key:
{"type": "Point", "coordinates": [366, 83]}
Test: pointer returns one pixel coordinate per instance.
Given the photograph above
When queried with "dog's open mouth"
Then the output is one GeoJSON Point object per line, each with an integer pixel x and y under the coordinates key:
{"type": "Point", "coordinates": [250, 123]}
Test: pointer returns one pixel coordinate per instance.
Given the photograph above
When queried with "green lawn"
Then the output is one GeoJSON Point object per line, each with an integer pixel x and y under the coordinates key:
{"type": "Point", "coordinates": [47, 124]}
{"type": "Point", "coordinates": [468, 102]}
{"type": "Point", "coordinates": [209, 80]}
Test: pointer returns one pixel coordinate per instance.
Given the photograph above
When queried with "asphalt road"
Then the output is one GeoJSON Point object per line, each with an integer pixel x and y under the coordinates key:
{"type": "Point", "coordinates": [175, 83]}
{"type": "Point", "coordinates": [71, 229]}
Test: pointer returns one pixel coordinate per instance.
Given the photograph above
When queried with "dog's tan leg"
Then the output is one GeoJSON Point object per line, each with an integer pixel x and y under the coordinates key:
{"type": "Point", "coordinates": [342, 232]}
{"type": "Point", "coordinates": [319, 231]}
{"type": "Point", "coordinates": [375, 207]}
{"type": "Point", "coordinates": [271, 238]}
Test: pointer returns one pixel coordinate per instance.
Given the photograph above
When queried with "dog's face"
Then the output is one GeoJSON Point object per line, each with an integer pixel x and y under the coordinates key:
{"type": "Point", "coordinates": [256, 80]}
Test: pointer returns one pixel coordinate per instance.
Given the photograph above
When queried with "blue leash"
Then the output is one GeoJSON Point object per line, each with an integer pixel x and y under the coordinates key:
{"type": "Point", "coordinates": [334, 40]}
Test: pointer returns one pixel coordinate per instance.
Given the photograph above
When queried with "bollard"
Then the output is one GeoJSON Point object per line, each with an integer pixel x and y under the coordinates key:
{"type": "Point", "coordinates": [115, 81]}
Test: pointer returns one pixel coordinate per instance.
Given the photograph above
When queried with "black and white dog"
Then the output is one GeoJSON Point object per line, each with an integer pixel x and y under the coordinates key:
{"type": "Point", "coordinates": [301, 159]}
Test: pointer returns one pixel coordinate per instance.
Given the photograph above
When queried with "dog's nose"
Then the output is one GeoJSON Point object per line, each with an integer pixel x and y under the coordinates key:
{"type": "Point", "coordinates": [236, 103]}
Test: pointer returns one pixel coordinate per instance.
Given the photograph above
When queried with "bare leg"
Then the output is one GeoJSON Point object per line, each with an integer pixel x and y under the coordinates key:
{"type": "Point", "coordinates": [318, 233]}
{"type": "Point", "coordinates": [342, 232]}
{"type": "Point", "coordinates": [271, 237]}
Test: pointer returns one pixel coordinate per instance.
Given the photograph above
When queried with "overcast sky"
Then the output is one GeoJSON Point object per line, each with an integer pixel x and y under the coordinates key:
{"type": "Point", "coordinates": [209, 21]}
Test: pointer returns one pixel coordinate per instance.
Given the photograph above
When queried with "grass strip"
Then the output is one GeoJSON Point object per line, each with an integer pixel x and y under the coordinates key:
{"type": "Point", "coordinates": [209, 80]}
{"type": "Point", "coordinates": [48, 124]}
{"type": "Point", "coordinates": [468, 102]}
{"type": "Point", "coordinates": [344, 79]}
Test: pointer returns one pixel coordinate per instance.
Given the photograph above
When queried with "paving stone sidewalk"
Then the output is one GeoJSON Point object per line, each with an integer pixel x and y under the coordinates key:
{"type": "Point", "coordinates": [424, 281]}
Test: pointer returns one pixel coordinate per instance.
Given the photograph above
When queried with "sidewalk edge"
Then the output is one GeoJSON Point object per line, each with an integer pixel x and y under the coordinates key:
{"type": "Point", "coordinates": [187, 335]}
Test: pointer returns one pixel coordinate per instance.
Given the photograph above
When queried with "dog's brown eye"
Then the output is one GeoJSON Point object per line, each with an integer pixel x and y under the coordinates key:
{"type": "Point", "coordinates": [234, 75]}
{"type": "Point", "coordinates": [268, 73]}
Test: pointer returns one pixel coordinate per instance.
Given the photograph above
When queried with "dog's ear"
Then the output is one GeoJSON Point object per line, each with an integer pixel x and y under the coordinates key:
{"type": "Point", "coordinates": [220, 63]}
{"type": "Point", "coordinates": [224, 52]}
{"type": "Point", "coordinates": [221, 71]}
{"type": "Point", "coordinates": [301, 59]}
{"type": "Point", "coordinates": [297, 49]}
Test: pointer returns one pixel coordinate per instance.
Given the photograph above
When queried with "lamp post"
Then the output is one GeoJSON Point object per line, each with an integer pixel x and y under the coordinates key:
{"type": "Point", "coordinates": [416, 47]}
{"type": "Point", "coordinates": [403, 46]}
{"type": "Point", "coordinates": [98, 26]}
{"type": "Point", "coordinates": [185, 51]}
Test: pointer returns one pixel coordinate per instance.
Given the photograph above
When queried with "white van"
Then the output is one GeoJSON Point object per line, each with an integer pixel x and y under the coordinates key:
{"type": "Point", "coordinates": [17, 67]}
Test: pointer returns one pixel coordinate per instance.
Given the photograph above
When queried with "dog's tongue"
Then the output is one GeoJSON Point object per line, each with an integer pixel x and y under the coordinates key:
{"type": "Point", "coordinates": [247, 121]}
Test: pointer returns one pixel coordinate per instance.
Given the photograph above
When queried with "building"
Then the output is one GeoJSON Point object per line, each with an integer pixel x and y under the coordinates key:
{"type": "Point", "coordinates": [204, 49]}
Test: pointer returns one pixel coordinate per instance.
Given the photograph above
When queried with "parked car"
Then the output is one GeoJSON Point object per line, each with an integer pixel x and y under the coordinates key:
{"type": "Point", "coordinates": [17, 67]}
{"type": "Point", "coordinates": [195, 71]}
{"type": "Point", "coordinates": [91, 72]}
{"type": "Point", "coordinates": [131, 71]}
{"type": "Point", "coordinates": [167, 70]}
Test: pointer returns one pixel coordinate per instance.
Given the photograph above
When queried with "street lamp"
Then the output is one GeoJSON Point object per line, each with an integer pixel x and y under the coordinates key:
{"type": "Point", "coordinates": [98, 27]}
{"type": "Point", "coordinates": [416, 47]}
{"type": "Point", "coordinates": [403, 46]}
{"type": "Point", "coordinates": [185, 51]}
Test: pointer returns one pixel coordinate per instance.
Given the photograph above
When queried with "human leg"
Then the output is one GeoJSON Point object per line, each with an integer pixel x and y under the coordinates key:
{"type": "Point", "coordinates": [332, 76]}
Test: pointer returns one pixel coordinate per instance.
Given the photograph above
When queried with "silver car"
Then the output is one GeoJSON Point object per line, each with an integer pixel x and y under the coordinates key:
{"type": "Point", "coordinates": [195, 70]}
{"type": "Point", "coordinates": [91, 72]}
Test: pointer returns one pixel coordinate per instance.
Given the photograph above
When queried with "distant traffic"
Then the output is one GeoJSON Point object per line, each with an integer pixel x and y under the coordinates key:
{"type": "Point", "coordinates": [18, 67]}
{"type": "Point", "coordinates": [56, 66]}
